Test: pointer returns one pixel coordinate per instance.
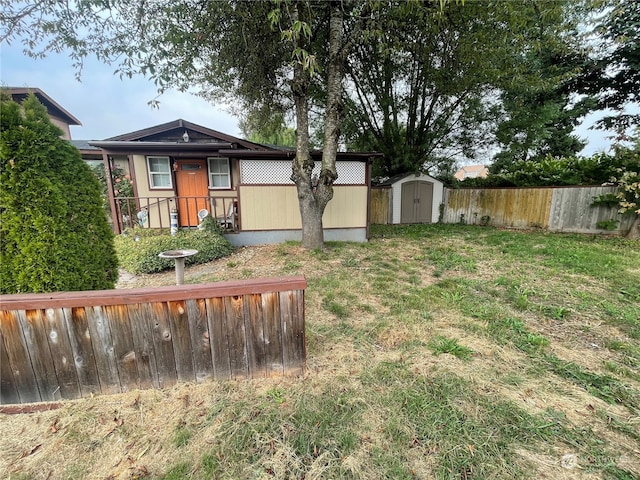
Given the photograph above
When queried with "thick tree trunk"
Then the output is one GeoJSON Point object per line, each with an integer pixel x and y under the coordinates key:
{"type": "Point", "coordinates": [314, 194]}
{"type": "Point", "coordinates": [634, 231]}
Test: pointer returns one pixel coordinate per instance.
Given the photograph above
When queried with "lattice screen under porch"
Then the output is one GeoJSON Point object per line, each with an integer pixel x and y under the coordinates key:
{"type": "Point", "coordinates": [260, 172]}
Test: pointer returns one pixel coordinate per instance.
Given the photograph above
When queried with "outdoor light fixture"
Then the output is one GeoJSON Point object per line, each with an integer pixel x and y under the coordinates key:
{"type": "Point", "coordinates": [185, 137]}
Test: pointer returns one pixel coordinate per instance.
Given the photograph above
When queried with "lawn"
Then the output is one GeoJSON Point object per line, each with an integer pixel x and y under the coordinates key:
{"type": "Point", "coordinates": [435, 351]}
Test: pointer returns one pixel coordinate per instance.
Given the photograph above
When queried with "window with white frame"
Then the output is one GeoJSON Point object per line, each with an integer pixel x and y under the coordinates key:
{"type": "Point", "coordinates": [159, 169]}
{"type": "Point", "coordinates": [219, 173]}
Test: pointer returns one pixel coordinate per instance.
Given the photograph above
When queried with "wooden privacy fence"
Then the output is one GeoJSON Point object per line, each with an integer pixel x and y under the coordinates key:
{"type": "Point", "coordinates": [557, 209]}
{"type": "Point", "coordinates": [75, 344]}
{"type": "Point", "coordinates": [379, 207]}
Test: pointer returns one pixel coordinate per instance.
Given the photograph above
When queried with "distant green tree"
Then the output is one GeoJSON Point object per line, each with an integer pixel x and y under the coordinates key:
{"type": "Point", "coordinates": [270, 131]}
{"type": "Point", "coordinates": [54, 233]}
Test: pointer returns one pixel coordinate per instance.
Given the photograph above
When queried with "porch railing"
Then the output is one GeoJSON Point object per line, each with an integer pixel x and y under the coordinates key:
{"type": "Point", "coordinates": [156, 212]}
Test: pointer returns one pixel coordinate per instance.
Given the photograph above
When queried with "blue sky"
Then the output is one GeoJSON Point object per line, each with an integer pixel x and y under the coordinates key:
{"type": "Point", "coordinates": [105, 105]}
{"type": "Point", "coordinates": [108, 106]}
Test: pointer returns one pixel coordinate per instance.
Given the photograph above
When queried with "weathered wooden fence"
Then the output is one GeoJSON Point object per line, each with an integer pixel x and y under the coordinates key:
{"type": "Point", "coordinates": [558, 209]}
{"type": "Point", "coordinates": [75, 344]}
{"type": "Point", "coordinates": [380, 208]}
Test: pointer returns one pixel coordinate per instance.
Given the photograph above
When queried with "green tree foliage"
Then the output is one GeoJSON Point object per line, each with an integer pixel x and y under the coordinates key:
{"type": "Point", "coordinates": [539, 107]}
{"type": "Point", "coordinates": [553, 171]}
{"type": "Point", "coordinates": [436, 83]}
{"type": "Point", "coordinates": [614, 72]}
{"type": "Point", "coordinates": [628, 181]}
{"type": "Point", "coordinates": [55, 235]}
{"type": "Point", "coordinates": [270, 131]}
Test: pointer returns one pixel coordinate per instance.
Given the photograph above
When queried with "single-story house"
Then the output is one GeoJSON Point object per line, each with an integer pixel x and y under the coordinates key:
{"type": "Point", "coordinates": [181, 172]}
{"type": "Point", "coordinates": [58, 115]}
{"type": "Point", "coordinates": [413, 198]}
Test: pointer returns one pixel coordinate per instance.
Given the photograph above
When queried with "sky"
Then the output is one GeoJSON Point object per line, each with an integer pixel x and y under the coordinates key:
{"type": "Point", "coordinates": [108, 106]}
{"type": "Point", "coordinates": [105, 105]}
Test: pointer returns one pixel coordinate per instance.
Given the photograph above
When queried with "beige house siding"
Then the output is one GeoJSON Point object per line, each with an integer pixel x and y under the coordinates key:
{"type": "Point", "coordinates": [62, 125]}
{"type": "Point", "coordinates": [161, 201]}
{"type": "Point", "coordinates": [270, 207]}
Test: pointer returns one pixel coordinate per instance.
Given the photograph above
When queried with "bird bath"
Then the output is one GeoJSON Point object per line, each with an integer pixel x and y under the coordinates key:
{"type": "Point", "coordinates": [178, 256]}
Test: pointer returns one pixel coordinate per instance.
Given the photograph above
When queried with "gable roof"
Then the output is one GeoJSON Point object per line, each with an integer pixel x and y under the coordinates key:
{"type": "Point", "coordinates": [396, 178]}
{"type": "Point", "coordinates": [214, 136]}
{"type": "Point", "coordinates": [18, 94]}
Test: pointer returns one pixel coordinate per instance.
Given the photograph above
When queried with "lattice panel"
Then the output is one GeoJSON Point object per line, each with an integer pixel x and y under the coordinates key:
{"type": "Point", "coordinates": [259, 172]}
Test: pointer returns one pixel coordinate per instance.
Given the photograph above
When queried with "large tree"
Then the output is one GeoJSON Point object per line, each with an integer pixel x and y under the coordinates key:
{"type": "Point", "coordinates": [613, 75]}
{"type": "Point", "coordinates": [266, 54]}
{"type": "Point", "coordinates": [54, 232]}
{"type": "Point", "coordinates": [436, 83]}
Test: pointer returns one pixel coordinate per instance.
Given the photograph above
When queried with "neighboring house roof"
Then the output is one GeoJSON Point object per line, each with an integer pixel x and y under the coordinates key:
{"type": "Point", "coordinates": [471, 171]}
{"type": "Point", "coordinates": [197, 134]}
{"type": "Point", "coordinates": [54, 109]}
{"type": "Point", "coordinates": [83, 145]}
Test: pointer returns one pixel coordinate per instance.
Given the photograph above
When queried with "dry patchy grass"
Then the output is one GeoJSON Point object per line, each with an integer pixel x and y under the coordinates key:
{"type": "Point", "coordinates": [549, 390]}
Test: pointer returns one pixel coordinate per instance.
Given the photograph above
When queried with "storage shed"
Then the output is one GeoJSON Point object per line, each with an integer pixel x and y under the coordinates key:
{"type": "Point", "coordinates": [414, 198]}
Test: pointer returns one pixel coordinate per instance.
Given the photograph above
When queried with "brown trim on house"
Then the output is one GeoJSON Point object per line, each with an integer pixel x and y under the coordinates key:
{"type": "Point", "coordinates": [335, 185]}
{"type": "Point", "coordinates": [53, 107]}
{"type": "Point", "coordinates": [35, 301]}
{"type": "Point", "coordinates": [180, 123]}
{"type": "Point", "coordinates": [132, 175]}
{"type": "Point", "coordinates": [112, 201]}
{"type": "Point", "coordinates": [368, 184]}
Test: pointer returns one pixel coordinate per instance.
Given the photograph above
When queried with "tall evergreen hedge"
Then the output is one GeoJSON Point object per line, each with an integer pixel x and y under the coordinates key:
{"type": "Point", "coordinates": [54, 234]}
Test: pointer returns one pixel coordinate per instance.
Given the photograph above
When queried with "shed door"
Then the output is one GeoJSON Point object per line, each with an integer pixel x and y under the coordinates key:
{"type": "Point", "coordinates": [191, 182]}
{"type": "Point", "coordinates": [416, 202]}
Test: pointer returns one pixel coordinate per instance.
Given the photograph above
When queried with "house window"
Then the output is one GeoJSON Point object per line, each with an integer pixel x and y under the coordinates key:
{"type": "Point", "coordinates": [219, 173]}
{"type": "Point", "coordinates": [159, 172]}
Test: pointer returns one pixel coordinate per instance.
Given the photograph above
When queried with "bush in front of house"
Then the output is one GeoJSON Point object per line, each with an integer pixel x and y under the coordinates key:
{"type": "Point", "coordinates": [53, 230]}
{"type": "Point", "coordinates": [138, 249]}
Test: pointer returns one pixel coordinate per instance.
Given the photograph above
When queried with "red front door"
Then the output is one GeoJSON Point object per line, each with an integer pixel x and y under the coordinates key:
{"type": "Point", "coordinates": [193, 190]}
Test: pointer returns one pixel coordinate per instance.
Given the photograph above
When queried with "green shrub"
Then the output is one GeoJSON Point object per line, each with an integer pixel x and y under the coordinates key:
{"type": "Point", "coordinates": [138, 249]}
{"type": "Point", "coordinates": [55, 234]}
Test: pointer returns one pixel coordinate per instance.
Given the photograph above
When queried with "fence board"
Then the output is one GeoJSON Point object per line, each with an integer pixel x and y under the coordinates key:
{"type": "Point", "coordinates": [182, 350]}
{"type": "Point", "coordinates": [19, 360]}
{"type": "Point", "coordinates": [200, 344]}
{"type": "Point", "coordinates": [83, 357]}
{"type": "Point", "coordinates": [272, 334]}
{"type": "Point", "coordinates": [8, 387]}
{"type": "Point", "coordinates": [217, 320]}
{"type": "Point", "coordinates": [292, 334]}
{"type": "Point", "coordinates": [380, 206]}
{"type": "Point", "coordinates": [143, 347]}
{"type": "Point", "coordinates": [69, 350]}
{"type": "Point", "coordinates": [101, 339]}
{"type": "Point", "coordinates": [62, 353]}
{"type": "Point", "coordinates": [237, 336]}
{"type": "Point", "coordinates": [255, 335]}
{"type": "Point", "coordinates": [161, 337]}
{"type": "Point", "coordinates": [39, 353]}
{"type": "Point", "coordinates": [123, 347]}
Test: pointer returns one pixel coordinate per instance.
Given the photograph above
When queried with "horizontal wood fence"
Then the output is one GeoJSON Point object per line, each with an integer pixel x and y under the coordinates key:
{"type": "Point", "coordinates": [75, 344]}
{"type": "Point", "coordinates": [558, 209]}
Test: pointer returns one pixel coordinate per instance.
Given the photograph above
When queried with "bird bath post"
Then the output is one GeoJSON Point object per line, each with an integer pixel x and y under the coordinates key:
{"type": "Point", "coordinates": [178, 256]}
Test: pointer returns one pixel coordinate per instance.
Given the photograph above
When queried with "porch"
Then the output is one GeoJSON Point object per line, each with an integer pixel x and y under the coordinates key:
{"type": "Point", "coordinates": [175, 211]}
